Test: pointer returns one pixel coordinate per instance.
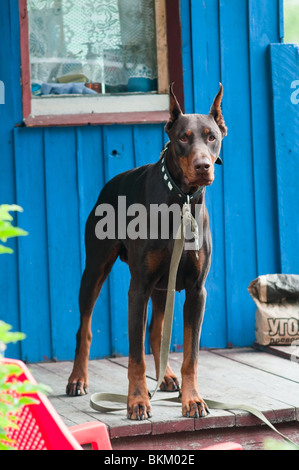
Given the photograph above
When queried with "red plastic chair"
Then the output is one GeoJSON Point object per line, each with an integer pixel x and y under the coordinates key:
{"type": "Point", "coordinates": [225, 446]}
{"type": "Point", "coordinates": [41, 428]}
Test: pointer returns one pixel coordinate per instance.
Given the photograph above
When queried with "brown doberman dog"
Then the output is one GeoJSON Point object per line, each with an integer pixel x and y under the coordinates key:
{"type": "Point", "coordinates": [188, 167]}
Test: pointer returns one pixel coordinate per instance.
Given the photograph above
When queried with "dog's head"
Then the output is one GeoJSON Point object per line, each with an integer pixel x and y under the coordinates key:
{"type": "Point", "coordinates": [196, 141]}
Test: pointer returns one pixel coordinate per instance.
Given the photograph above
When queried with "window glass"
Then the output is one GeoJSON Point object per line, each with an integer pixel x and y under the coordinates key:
{"type": "Point", "coordinates": [92, 46]}
{"type": "Point", "coordinates": [291, 21]}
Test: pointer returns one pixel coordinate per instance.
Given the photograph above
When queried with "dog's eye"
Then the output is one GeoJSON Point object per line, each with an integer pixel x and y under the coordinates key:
{"type": "Point", "coordinates": [211, 138]}
{"type": "Point", "coordinates": [183, 139]}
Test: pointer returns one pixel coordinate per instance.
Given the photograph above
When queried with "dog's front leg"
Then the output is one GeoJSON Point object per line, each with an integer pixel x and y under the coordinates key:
{"type": "Point", "coordinates": [139, 407]}
{"type": "Point", "coordinates": [193, 405]}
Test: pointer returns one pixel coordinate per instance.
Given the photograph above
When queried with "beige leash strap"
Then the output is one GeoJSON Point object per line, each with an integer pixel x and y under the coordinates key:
{"type": "Point", "coordinates": [215, 405]}
{"type": "Point", "coordinates": [169, 306]}
{"type": "Point", "coordinates": [98, 398]}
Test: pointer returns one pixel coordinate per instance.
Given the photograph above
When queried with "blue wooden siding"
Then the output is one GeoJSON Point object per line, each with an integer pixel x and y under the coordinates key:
{"type": "Point", "coordinates": [56, 174]}
{"type": "Point", "coordinates": [228, 42]}
{"type": "Point", "coordinates": [285, 75]}
{"type": "Point", "coordinates": [9, 114]}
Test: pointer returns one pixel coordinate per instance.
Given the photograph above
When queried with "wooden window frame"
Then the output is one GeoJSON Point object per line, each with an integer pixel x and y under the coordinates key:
{"type": "Point", "coordinates": [169, 52]}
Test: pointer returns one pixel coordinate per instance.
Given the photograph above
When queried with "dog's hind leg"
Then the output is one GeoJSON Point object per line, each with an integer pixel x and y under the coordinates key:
{"type": "Point", "coordinates": [97, 269]}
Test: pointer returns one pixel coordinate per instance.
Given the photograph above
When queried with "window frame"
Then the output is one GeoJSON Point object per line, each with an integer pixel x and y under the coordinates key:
{"type": "Point", "coordinates": [169, 54]}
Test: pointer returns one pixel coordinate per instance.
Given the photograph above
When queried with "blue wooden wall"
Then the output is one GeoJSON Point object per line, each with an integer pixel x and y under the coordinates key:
{"type": "Point", "coordinates": [55, 174]}
{"type": "Point", "coordinates": [285, 79]}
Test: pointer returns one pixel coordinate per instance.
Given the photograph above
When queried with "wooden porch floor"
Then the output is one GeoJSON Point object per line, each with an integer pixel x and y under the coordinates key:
{"type": "Point", "coordinates": [265, 381]}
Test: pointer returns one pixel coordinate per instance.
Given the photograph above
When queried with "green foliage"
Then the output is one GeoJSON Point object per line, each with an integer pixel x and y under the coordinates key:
{"type": "Point", "coordinates": [7, 230]}
{"type": "Point", "coordinates": [291, 21]}
{"type": "Point", "coordinates": [14, 394]}
{"type": "Point", "coordinates": [273, 444]}
{"type": "Point", "coordinates": [6, 336]}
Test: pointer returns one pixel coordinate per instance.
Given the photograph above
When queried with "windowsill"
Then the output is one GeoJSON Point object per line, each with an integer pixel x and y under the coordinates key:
{"type": "Point", "coordinates": [98, 104]}
{"type": "Point", "coordinates": [103, 109]}
{"type": "Point", "coordinates": [141, 117]}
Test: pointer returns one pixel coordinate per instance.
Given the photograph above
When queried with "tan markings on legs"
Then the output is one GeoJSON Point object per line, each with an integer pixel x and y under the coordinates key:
{"type": "Point", "coordinates": [139, 406]}
{"type": "Point", "coordinates": [90, 288]}
{"type": "Point", "coordinates": [78, 380]}
{"type": "Point", "coordinates": [193, 405]}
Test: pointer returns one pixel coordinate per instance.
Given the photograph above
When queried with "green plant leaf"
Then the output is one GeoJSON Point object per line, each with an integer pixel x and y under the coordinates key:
{"type": "Point", "coordinates": [6, 398]}
{"type": "Point", "coordinates": [7, 439]}
{"type": "Point", "coordinates": [28, 387]}
{"type": "Point", "coordinates": [14, 394]}
{"type": "Point", "coordinates": [8, 337]}
{"type": "Point", "coordinates": [6, 208]}
{"type": "Point", "coordinates": [27, 401]}
{"type": "Point", "coordinates": [273, 444]}
{"type": "Point", "coordinates": [10, 369]}
{"type": "Point", "coordinates": [5, 447]}
{"type": "Point", "coordinates": [7, 423]}
{"type": "Point", "coordinates": [5, 249]}
{"type": "Point", "coordinates": [8, 231]}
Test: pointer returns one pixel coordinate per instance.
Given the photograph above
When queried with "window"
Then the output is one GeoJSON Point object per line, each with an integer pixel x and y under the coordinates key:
{"type": "Point", "coordinates": [94, 61]}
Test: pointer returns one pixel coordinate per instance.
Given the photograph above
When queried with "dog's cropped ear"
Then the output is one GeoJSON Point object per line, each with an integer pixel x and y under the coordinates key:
{"type": "Point", "coordinates": [174, 109]}
{"type": "Point", "coordinates": [216, 112]}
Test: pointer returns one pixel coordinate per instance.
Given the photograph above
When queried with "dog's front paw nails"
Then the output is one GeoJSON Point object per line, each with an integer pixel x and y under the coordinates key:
{"type": "Point", "coordinates": [76, 388]}
{"type": "Point", "coordinates": [170, 384]}
{"type": "Point", "coordinates": [194, 408]}
{"type": "Point", "coordinates": [139, 409]}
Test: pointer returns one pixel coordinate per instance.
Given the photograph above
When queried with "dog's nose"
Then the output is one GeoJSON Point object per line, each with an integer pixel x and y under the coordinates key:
{"type": "Point", "coordinates": [202, 165]}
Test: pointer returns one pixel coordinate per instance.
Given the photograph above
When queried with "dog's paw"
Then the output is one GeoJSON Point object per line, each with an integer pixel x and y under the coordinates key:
{"type": "Point", "coordinates": [77, 388]}
{"type": "Point", "coordinates": [170, 384]}
{"type": "Point", "coordinates": [139, 409]}
{"type": "Point", "coordinates": [194, 407]}
{"type": "Point", "coordinates": [77, 385]}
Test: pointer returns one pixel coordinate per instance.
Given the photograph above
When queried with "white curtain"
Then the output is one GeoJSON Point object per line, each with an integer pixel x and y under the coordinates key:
{"type": "Point", "coordinates": [99, 41]}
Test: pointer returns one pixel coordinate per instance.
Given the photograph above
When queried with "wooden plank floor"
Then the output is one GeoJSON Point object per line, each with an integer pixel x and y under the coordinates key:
{"type": "Point", "coordinates": [247, 376]}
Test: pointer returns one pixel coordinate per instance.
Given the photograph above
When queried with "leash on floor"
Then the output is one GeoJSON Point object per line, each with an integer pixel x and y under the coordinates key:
{"type": "Point", "coordinates": [97, 399]}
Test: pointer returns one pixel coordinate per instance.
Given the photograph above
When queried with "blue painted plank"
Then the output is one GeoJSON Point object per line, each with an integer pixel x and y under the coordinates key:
{"type": "Point", "coordinates": [63, 238]}
{"type": "Point", "coordinates": [118, 157]}
{"type": "Point", "coordinates": [90, 182]}
{"type": "Point", "coordinates": [148, 143]}
{"type": "Point", "coordinates": [10, 113]}
{"type": "Point", "coordinates": [33, 250]}
{"type": "Point", "coordinates": [206, 77]}
{"type": "Point", "coordinates": [214, 332]}
{"type": "Point", "coordinates": [240, 247]}
{"type": "Point", "coordinates": [205, 53]}
{"type": "Point", "coordinates": [281, 20]}
{"type": "Point", "coordinates": [186, 32]}
{"type": "Point", "coordinates": [263, 29]}
{"type": "Point", "coordinates": [285, 76]}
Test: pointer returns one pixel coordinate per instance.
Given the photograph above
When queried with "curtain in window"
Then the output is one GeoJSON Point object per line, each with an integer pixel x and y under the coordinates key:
{"type": "Point", "coordinates": [108, 42]}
